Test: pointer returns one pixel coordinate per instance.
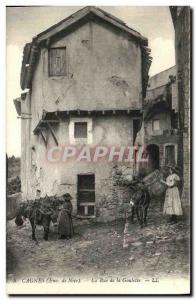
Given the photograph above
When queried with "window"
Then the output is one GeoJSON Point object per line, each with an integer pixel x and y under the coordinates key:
{"type": "Point", "coordinates": [86, 195]}
{"type": "Point", "coordinates": [57, 62]}
{"type": "Point", "coordinates": [80, 131]}
{"type": "Point", "coordinates": [155, 125]}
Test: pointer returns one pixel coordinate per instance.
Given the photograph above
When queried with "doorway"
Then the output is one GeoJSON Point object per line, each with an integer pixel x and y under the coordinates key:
{"type": "Point", "coordinates": [170, 155]}
{"type": "Point", "coordinates": [86, 195]}
{"type": "Point", "coordinates": [153, 157]}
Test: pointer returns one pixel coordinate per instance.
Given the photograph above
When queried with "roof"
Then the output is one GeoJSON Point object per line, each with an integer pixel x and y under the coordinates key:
{"type": "Point", "coordinates": [159, 90]}
{"type": "Point", "coordinates": [80, 14]}
{"type": "Point", "coordinates": [31, 50]}
{"type": "Point", "coordinates": [58, 116]}
{"type": "Point", "coordinates": [161, 78]}
{"type": "Point", "coordinates": [158, 84]}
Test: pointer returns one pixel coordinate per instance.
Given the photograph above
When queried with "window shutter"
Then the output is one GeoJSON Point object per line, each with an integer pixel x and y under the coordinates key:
{"type": "Point", "coordinates": [57, 61]}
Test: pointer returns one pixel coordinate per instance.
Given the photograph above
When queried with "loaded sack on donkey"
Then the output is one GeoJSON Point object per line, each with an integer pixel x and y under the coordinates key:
{"type": "Point", "coordinates": [39, 212]}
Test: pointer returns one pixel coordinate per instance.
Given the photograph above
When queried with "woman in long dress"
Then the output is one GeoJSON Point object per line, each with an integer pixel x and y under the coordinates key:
{"type": "Point", "coordinates": [172, 205]}
{"type": "Point", "coordinates": [65, 224]}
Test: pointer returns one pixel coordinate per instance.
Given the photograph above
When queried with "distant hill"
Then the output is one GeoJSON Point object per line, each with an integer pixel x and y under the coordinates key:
{"type": "Point", "coordinates": [13, 172]}
{"type": "Point", "coordinates": [13, 186]}
{"type": "Point", "coordinates": [13, 166]}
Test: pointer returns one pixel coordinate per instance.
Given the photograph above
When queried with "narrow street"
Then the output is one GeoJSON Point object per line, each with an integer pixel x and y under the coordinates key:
{"type": "Point", "coordinates": [96, 250]}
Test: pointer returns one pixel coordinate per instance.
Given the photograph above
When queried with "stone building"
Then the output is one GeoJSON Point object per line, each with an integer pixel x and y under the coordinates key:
{"type": "Point", "coordinates": [160, 133]}
{"type": "Point", "coordinates": [181, 16]}
{"type": "Point", "coordinates": [86, 78]}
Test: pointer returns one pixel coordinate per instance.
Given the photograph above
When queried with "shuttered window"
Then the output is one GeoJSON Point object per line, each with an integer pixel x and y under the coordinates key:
{"type": "Point", "coordinates": [80, 130]}
{"type": "Point", "coordinates": [57, 62]}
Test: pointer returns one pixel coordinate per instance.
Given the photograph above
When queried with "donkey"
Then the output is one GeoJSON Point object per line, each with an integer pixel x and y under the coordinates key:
{"type": "Point", "coordinates": [38, 214]}
{"type": "Point", "coordinates": [139, 204]}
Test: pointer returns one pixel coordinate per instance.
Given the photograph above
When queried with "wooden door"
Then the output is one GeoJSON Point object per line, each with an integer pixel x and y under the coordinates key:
{"type": "Point", "coordinates": [86, 195]}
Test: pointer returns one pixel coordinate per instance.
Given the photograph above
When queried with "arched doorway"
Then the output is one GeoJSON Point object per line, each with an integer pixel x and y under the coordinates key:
{"type": "Point", "coordinates": [153, 157]}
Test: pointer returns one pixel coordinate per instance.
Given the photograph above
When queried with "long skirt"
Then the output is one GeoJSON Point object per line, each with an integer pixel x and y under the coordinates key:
{"type": "Point", "coordinates": [172, 204]}
{"type": "Point", "coordinates": [65, 224]}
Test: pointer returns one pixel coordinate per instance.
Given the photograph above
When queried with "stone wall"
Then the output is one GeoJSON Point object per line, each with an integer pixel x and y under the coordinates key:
{"type": "Point", "coordinates": [165, 137]}
{"type": "Point", "coordinates": [182, 46]}
{"type": "Point", "coordinates": [26, 119]}
{"type": "Point", "coordinates": [56, 178]}
{"type": "Point", "coordinates": [164, 120]}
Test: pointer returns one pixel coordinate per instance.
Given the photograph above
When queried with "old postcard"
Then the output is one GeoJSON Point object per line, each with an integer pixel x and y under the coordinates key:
{"type": "Point", "coordinates": [98, 150]}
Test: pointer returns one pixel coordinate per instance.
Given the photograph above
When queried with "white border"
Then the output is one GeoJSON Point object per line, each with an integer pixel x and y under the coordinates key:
{"type": "Point", "coordinates": [3, 3]}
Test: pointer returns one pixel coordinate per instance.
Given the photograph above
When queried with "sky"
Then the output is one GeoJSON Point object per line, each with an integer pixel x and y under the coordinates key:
{"type": "Point", "coordinates": [23, 23]}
